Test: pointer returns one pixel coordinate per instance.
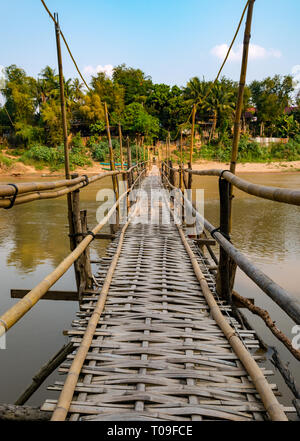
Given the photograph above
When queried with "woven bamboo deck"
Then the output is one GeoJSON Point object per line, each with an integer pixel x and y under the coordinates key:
{"type": "Point", "coordinates": [157, 354]}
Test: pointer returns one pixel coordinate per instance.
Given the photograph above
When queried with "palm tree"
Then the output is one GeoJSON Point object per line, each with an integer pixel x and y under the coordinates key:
{"type": "Point", "coordinates": [219, 102]}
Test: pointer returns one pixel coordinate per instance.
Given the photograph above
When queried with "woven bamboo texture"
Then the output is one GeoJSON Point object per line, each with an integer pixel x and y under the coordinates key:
{"type": "Point", "coordinates": [157, 354]}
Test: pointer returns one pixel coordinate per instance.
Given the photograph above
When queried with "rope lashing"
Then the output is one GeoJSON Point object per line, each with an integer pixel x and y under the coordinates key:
{"type": "Point", "coordinates": [13, 198]}
{"type": "Point", "coordinates": [90, 233]}
{"type": "Point", "coordinates": [86, 181]}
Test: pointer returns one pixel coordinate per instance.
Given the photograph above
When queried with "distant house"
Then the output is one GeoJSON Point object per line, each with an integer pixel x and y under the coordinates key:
{"type": "Point", "coordinates": [291, 109]}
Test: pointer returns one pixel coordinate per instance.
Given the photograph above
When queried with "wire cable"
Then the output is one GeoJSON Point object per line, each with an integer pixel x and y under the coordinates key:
{"type": "Point", "coordinates": [67, 46]}
{"type": "Point", "coordinates": [223, 64]}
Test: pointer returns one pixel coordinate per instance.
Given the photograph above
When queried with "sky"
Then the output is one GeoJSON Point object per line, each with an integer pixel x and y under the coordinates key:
{"type": "Point", "coordinates": [170, 40]}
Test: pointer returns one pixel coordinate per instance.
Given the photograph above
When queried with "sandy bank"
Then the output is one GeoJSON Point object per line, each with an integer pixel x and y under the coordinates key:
{"type": "Point", "coordinates": [251, 167]}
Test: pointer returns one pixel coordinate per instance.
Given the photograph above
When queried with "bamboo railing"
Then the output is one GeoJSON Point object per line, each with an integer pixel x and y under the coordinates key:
{"type": "Point", "coordinates": [13, 315]}
{"type": "Point", "coordinates": [289, 304]}
{"type": "Point", "coordinates": [32, 191]}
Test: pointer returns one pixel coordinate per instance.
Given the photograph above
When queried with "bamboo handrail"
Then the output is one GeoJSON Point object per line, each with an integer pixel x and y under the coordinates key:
{"type": "Point", "coordinates": [286, 301]}
{"type": "Point", "coordinates": [61, 411]}
{"type": "Point", "coordinates": [29, 187]}
{"type": "Point", "coordinates": [36, 191]}
{"type": "Point", "coordinates": [271, 403]}
{"type": "Point", "coordinates": [17, 311]}
{"type": "Point", "coordinates": [272, 406]}
{"type": "Point", "coordinates": [276, 194]}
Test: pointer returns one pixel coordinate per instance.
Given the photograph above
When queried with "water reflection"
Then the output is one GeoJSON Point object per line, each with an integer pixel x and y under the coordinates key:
{"type": "Point", "coordinates": [37, 233]}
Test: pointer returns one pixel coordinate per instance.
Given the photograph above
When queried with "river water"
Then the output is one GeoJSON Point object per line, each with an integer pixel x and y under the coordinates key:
{"type": "Point", "coordinates": [33, 241]}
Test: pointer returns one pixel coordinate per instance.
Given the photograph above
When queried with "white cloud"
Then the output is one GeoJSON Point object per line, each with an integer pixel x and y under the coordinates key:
{"type": "Point", "coordinates": [107, 69]}
{"type": "Point", "coordinates": [256, 52]}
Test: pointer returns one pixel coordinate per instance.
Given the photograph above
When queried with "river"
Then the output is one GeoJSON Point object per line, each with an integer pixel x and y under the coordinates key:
{"type": "Point", "coordinates": [33, 240]}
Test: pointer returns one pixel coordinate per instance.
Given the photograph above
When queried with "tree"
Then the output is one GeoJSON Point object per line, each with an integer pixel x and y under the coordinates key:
{"type": "Point", "coordinates": [137, 120]}
{"type": "Point", "coordinates": [220, 104]}
{"type": "Point", "coordinates": [110, 92]}
{"type": "Point", "coordinates": [168, 105]}
{"type": "Point", "coordinates": [136, 84]}
{"type": "Point", "coordinates": [270, 97]}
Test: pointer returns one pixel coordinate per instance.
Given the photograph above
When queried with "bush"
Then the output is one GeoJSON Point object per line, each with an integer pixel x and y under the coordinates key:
{"type": "Point", "coordinates": [5, 161]}
{"type": "Point", "coordinates": [252, 151]}
{"type": "Point", "coordinates": [54, 157]}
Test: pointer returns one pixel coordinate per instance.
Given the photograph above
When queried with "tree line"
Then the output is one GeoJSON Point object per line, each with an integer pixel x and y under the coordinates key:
{"type": "Point", "coordinates": [32, 107]}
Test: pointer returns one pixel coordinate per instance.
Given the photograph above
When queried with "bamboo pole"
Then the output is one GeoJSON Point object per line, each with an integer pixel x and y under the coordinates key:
{"type": "Point", "coordinates": [121, 146]}
{"type": "Point", "coordinates": [65, 131]}
{"type": "Point", "coordinates": [181, 185]}
{"type": "Point", "coordinates": [62, 98]}
{"type": "Point", "coordinates": [17, 311]}
{"type": "Point", "coordinates": [61, 411]}
{"type": "Point", "coordinates": [112, 164]}
{"type": "Point", "coordinates": [239, 107]}
{"type": "Point", "coordinates": [271, 403]}
{"type": "Point", "coordinates": [284, 300]}
{"type": "Point", "coordinates": [44, 373]}
{"type": "Point", "coordinates": [192, 134]}
{"type": "Point", "coordinates": [277, 194]}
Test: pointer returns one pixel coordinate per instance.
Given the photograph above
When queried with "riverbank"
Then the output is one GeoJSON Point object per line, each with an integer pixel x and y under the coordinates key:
{"type": "Point", "coordinates": [18, 169]}
{"type": "Point", "coordinates": [251, 167]}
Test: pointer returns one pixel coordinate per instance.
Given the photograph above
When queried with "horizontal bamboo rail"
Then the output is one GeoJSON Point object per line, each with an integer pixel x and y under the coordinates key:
{"type": "Point", "coordinates": [13, 315]}
{"type": "Point", "coordinates": [271, 403]}
{"type": "Point", "coordinates": [286, 301]}
{"type": "Point", "coordinates": [29, 187]}
{"type": "Point", "coordinates": [277, 194]}
{"type": "Point", "coordinates": [28, 192]}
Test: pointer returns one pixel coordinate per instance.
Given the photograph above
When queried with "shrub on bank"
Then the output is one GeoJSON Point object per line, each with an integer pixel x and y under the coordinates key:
{"type": "Point", "coordinates": [41, 156]}
{"type": "Point", "coordinates": [250, 151]}
{"type": "Point", "coordinates": [5, 162]}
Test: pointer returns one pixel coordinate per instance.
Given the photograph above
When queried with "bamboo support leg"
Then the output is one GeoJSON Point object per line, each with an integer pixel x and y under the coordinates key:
{"type": "Point", "coordinates": [227, 268]}
{"type": "Point", "coordinates": [44, 373]}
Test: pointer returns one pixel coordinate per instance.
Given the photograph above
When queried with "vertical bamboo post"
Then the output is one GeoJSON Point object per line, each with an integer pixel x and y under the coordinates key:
{"type": "Point", "coordinates": [112, 165]}
{"type": "Point", "coordinates": [192, 134]}
{"type": "Point", "coordinates": [130, 174]}
{"type": "Point", "coordinates": [239, 107]}
{"type": "Point", "coordinates": [136, 150]}
{"type": "Point", "coordinates": [226, 268]}
{"type": "Point", "coordinates": [181, 163]}
{"type": "Point", "coordinates": [62, 98]}
{"type": "Point", "coordinates": [78, 264]}
{"type": "Point", "coordinates": [86, 255]}
{"type": "Point", "coordinates": [121, 146]}
{"type": "Point", "coordinates": [129, 160]}
{"type": "Point", "coordinates": [65, 131]}
{"type": "Point", "coordinates": [144, 151]}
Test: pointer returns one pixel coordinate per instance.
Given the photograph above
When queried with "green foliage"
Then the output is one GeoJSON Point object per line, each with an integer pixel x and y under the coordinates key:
{"type": "Point", "coordinates": [100, 151]}
{"type": "Point", "coordinates": [137, 120]}
{"type": "Point", "coordinates": [135, 83]}
{"type": "Point", "coordinates": [40, 155]}
{"type": "Point", "coordinates": [5, 162]}
{"type": "Point", "coordinates": [97, 128]}
{"type": "Point", "coordinates": [252, 151]}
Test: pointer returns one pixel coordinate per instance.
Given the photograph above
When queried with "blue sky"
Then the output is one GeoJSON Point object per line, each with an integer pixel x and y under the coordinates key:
{"type": "Point", "coordinates": [170, 40]}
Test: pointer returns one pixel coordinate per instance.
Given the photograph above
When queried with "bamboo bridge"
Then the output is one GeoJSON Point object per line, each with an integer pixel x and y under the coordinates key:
{"type": "Point", "coordinates": [159, 335]}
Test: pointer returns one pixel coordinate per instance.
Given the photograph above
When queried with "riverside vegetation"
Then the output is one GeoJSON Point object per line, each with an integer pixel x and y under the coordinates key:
{"type": "Point", "coordinates": [30, 124]}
